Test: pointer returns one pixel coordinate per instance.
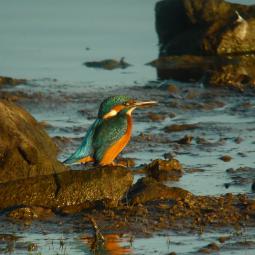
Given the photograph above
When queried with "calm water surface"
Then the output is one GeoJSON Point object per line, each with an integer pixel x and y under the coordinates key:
{"type": "Point", "coordinates": [47, 40]}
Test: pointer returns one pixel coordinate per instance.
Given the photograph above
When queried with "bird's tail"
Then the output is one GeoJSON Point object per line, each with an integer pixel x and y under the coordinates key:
{"type": "Point", "coordinates": [84, 152]}
{"type": "Point", "coordinates": [71, 161]}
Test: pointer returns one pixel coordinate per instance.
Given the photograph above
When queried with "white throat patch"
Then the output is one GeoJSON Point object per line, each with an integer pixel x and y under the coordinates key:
{"type": "Point", "coordinates": [129, 112]}
{"type": "Point", "coordinates": [110, 114]}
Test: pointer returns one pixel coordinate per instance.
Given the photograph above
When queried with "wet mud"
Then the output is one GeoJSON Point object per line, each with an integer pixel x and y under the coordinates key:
{"type": "Point", "coordinates": [203, 128]}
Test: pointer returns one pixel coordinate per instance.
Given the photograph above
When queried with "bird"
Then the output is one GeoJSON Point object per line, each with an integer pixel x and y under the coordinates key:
{"type": "Point", "coordinates": [241, 27]}
{"type": "Point", "coordinates": [110, 132]}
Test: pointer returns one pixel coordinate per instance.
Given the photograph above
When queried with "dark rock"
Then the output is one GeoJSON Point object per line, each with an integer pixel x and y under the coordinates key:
{"type": "Point", "coordinates": [180, 127]}
{"type": "Point", "coordinates": [241, 175]}
{"type": "Point", "coordinates": [186, 68]}
{"type": "Point", "coordinates": [223, 239]}
{"type": "Point", "coordinates": [253, 187]}
{"type": "Point", "coordinates": [187, 139]}
{"type": "Point", "coordinates": [210, 26]}
{"type": "Point", "coordinates": [81, 189]}
{"type": "Point", "coordinates": [108, 64]}
{"type": "Point", "coordinates": [25, 150]}
{"type": "Point", "coordinates": [164, 169]}
{"type": "Point", "coordinates": [148, 189]}
{"type": "Point", "coordinates": [11, 81]}
{"type": "Point", "coordinates": [31, 212]}
{"type": "Point", "coordinates": [235, 72]}
{"type": "Point", "coordinates": [32, 247]}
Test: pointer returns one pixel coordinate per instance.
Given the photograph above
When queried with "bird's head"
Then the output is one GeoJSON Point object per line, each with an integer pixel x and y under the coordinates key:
{"type": "Point", "coordinates": [111, 106]}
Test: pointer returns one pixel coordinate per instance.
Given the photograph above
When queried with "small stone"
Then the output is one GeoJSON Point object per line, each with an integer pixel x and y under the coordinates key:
{"type": "Point", "coordinates": [226, 158]}
{"type": "Point", "coordinates": [223, 239]}
{"type": "Point", "coordinates": [238, 140]}
{"type": "Point", "coordinates": [172, 89]}
{"type": "Point", "coordinates": [32, 247]}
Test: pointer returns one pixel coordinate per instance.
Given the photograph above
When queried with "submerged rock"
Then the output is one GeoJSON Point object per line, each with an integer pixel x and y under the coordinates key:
{"type": "Point", "coordinates": [235, 72]}
{"type": "Point", "coordinates": [148, 189]}
{"type": "Point", "coordinates": [241, 176]}
{"type": "Point", "coordinates": [164, 169]}
{"type": "Point", "coordinates": [108, 64]}
{"type": "Point", "coordinates": [25, 149]}
{"type": "Point", "coordinates": [180, 127]}
{"type": "Point", "coordinates": [76, 189]}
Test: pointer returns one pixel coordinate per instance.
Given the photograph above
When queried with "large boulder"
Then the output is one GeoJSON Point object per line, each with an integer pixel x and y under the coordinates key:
{"type": "Point", "coordinates": [25, 148]}
{"type": "Point", "coordinates": [69, 191]}
{"type": "Point", "coordinates": [204, 27]}
{"type": "Point", "coordinates": [235, 72]}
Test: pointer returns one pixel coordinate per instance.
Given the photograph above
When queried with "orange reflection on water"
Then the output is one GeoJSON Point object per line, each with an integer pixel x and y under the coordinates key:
{"type": "Point", "coordinates": [112, 245]}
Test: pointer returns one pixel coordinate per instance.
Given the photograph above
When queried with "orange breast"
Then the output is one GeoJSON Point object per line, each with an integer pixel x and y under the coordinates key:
{"type": "Point", "coordinates": [116, 148]}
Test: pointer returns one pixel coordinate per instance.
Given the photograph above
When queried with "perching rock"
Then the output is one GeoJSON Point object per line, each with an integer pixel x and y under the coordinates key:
{"type": "Point", "coordinates": [25, 148]}
{"type": "Point", "coordinates": [204, 27]}
{"type": "Point", "coordinates": [148, 189]}
{"type": "Point", "coordinates": [75, 189]}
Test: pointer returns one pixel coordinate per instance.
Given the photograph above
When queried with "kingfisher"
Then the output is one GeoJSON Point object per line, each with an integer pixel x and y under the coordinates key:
{"type": "Point", "coordinates": [110, 132]}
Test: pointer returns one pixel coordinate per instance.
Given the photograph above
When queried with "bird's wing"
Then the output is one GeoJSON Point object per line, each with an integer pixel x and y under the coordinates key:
{"type": "Point", "coordinates": [86, 148]}
{"type": "Point", "coordinates": [108, 133]}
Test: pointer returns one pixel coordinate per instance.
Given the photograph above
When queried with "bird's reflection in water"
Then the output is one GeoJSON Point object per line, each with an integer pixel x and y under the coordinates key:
{"type": "Point", "coordinates": [113, 245]}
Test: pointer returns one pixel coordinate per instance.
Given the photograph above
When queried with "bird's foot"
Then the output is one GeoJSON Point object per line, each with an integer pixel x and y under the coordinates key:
{"type": "Point", "coordinates": [118, 164]}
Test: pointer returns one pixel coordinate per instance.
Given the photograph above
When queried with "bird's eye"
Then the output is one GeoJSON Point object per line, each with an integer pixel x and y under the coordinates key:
{"type": "Point", "coordinates": [126, 104]}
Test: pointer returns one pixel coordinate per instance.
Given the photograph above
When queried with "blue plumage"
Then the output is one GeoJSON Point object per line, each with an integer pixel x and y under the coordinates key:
{"type": "Point", "coordinates": [86, 147]}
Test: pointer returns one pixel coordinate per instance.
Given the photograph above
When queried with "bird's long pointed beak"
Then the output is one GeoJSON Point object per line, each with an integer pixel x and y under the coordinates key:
{"type": "Point", "coordinates": [144, 103]}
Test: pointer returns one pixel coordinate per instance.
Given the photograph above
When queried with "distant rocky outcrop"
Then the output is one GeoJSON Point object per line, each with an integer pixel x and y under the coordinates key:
{"type": "Point", "coordinates": [204, 27]}
{"type": "Point", "coordinates": [25, 148]}
{"type": "Point", "coordinates": [211, 41]}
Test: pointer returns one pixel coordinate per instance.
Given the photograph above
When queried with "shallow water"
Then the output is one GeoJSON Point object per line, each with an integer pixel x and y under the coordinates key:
{"type": "Point", "coordinates": [47, 42]}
